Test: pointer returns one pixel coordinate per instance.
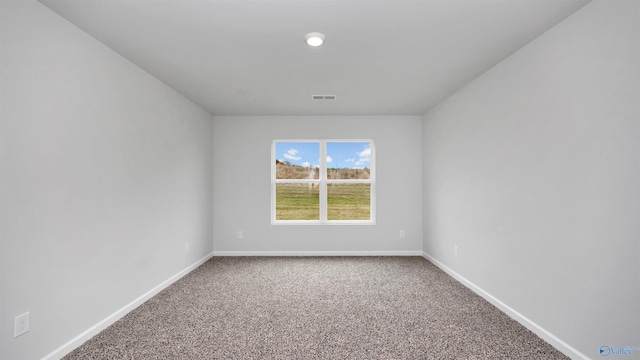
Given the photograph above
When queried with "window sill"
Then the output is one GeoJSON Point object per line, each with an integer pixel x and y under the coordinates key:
{"type": "Point", "coordinates": [318, 222]}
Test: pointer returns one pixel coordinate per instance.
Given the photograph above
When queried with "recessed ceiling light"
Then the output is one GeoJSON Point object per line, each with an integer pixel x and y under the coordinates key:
{"type": "Point", "coordinates": [314, 38]}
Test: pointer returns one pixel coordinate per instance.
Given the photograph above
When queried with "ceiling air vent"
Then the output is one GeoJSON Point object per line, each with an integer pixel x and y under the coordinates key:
{"type": "Point", "coordinates": [323, 97]}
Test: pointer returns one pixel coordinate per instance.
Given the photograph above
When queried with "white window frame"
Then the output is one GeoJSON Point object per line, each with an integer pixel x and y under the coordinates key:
{"type": "Point", "coordinates": [323, 182]}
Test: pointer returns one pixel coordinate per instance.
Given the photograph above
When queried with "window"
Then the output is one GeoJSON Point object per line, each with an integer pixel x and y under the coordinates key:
{"type": "Point", "coordinates": [322, 182]}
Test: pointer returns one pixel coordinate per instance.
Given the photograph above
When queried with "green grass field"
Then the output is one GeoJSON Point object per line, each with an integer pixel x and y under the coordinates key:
{"type": "Point", "coordinates": [302, 202]}
{"type": "Point", "coordinates": [297, 202]}
{"type": "Point", "coordinates": [348, 201]}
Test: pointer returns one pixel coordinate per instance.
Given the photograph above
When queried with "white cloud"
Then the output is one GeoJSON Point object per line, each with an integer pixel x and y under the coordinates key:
{"type": "Point", "coordinates": [350, 160]}
{"type": "Point", "coordinates": [291, 155]}
{"type": "Point", "coordinates": [365, 153]}
{"type": "Point", "coordinates": [306, 164]}
{"type": "Point", "coordinates": [329, 159]}
{"type": "Point", "coordinates": [364, 156]}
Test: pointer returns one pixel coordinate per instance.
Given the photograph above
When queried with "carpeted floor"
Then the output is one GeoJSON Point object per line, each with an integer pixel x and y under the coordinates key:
{"type": "Point", "coordinates": [316, 308]}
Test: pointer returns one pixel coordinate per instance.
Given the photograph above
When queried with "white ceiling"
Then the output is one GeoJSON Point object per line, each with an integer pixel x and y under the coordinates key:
{"type": "Point", "coordinates": [391, 57]}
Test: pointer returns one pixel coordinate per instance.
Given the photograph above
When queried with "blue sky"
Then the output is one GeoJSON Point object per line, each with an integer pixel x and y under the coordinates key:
{"type": "Point", "coordinates": [339, 154]}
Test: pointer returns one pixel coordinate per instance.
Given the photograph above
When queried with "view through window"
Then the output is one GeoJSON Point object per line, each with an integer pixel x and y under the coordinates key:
{"type": "Point", "coordinates": [323, 181]}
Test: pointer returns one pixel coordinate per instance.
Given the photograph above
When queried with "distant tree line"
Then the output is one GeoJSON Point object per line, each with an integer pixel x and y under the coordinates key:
{"type": "Point", "coordinates": [287, 170]}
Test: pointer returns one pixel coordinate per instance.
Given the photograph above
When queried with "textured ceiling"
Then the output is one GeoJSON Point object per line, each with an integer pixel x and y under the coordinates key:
{"type": "Point", "coordinates": [393, 57]}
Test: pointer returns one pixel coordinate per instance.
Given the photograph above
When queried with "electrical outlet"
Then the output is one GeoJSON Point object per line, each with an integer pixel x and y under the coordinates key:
{"type": "Point", "coordinates": [186, 246]}
{"type": "Point", "coordinates": [21, 324]}
{"type": "Point", "coordinates": [455, 250]}
{"type": "Point", "coordinates": [239, 234]}
{"type": "Point", "coordinates": [401, 234]}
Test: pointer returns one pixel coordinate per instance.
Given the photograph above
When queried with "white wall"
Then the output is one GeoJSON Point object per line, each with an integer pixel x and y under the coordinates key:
{"type": "Point", "coordinates": [106, 173]}
{"type": "Point", "coordinates": [533, 170]}
{"type": "Point", "coordinates": [242, 170]}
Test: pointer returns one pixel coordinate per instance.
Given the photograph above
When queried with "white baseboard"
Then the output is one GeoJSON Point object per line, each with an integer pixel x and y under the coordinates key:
{"type": "Point", "coordinates": [317, 253]}
{"type": "Point", "coordinates": [95, 329]}
{"type": "Point", "coordinates": [523, 320]}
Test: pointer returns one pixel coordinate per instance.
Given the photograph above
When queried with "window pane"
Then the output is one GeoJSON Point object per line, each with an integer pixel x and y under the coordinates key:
{"type": "Point", "coordinates": [297, 202]}
{"type": "Point", "coordinates": [349, 160]}
{"type": "Point", "coordinates": [349, 201]}
{"type": "Point", "coordinates": [297, 160]}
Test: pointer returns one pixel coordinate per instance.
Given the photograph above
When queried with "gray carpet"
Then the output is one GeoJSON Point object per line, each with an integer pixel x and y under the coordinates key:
{"type": "Point", "coordinates": [316, 308]}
